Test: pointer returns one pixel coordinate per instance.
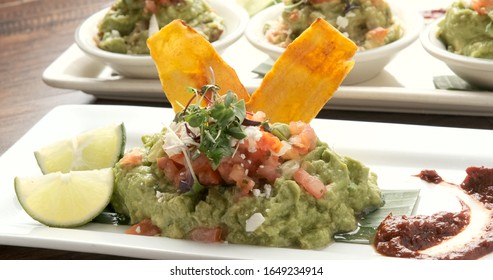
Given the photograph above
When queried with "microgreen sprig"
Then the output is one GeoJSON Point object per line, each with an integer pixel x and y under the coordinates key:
{"type": "Point", "coordinates": [349, 6]}
{"type": "Point", "coordinates": [219, 122]}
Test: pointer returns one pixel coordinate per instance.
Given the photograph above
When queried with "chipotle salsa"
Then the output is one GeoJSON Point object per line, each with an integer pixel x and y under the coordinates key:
{"type": "Point", "coordinates": [410, 237]}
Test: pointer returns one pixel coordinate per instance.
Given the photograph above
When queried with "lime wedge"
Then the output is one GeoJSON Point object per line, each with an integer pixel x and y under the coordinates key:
{"type": "Point", "coordinates": [65, 199]}
{"type": "Point", "coordinates": [94, 149]}
{"type": "Point", "coordinates": [255, 6]}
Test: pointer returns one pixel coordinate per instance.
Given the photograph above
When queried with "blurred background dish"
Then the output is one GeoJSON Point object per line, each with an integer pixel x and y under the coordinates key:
{"type": "Point", "coordinates": [142, 66]}
{"type": "Point", "coordinates": [476, 71]}
{"type": "Point", "coordinates": [368, 63]}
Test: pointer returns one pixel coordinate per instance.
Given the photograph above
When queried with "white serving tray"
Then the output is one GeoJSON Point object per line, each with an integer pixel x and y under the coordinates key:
{"type": "Point", "coordinates": [395, 152]}
{"type": "Point", "coordinates": [405, 85]}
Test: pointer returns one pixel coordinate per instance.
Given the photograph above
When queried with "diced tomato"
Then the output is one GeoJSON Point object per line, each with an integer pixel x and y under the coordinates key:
{"type": "Point", "coordinates": [269, 169]}
{"type": "Point", "coordinates": [296, 128]}
{"type": "Point", "coordinates": [376, 37]}
{"type": "Point", "coordinates": [172, 171]}
{"type": "Point", "coordinates": [209, 178]}
{"type": "Point", "coordinates": [251, 160]}
{"type": "Point", "coordinates": [259, 116]}
{"type": "Point", "coordinates": [144, 227]}
{"type": "Point", "coordinates": [131, 159]}
{"type": "Point", "coordinates": [208, 235]}
{"type": "Point", "coordinates": [224, 170]}
{"type": "Point", "coordinates": [482, 7]}
{"type": "Point", "coordinates": [310, 183]}
{"type": "Point", "coordinates": [246, 185]}
{"type": "Point", "coordinates": [150, 6]}
{"type": "Point", "coordinates": [268, 141]}
{"type": "Point", "coordinates": [237, 173]}
{"type": "Point", "coordinates": [178, 158]}
{"type": "Point", "coordinates": [204, 172]}
{"type": "Point", "coordinates": [294, 16]}
{"type": "Point", "coordinates": [303, 138]}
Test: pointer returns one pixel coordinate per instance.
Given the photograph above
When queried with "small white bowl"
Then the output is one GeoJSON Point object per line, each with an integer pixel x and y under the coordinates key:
{"type": "Point", "coordinates": [142, 66]}
{"type": "Point", "coordinates": [476, 71]}
{"type": "Point", "coordinates": [368, 64]}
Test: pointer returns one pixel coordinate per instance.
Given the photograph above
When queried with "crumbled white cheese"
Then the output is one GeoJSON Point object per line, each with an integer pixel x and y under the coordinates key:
{"type": "Point", "coordinates": [267, 190]}
{"type": "Point", "coordinates": [253, 134]}
{"type": "Point", "coordinates": [159, 196]}
{"type": "Point", "coordinates": [256, 192]}
{"type": "Point", "coordinates": [233, 142]}
{"type": "Point", "coordinates": [342, 22]}
{"type": "Point", "coordinates": [266, 193]}
{"type": "Point", "coordinates": [254, 222]}
{"type": "Point", "coordinates": [115, 33]}
{"type": "Point", "coordinates": [138, 230]}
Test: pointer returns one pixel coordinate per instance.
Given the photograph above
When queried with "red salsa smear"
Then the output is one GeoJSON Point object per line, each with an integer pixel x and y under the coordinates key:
{"type": "Point", "coordinates": [430, 176]}
{"type": "Point", "coordinates": [405, 237]}
{"type": "Point", "coordinates": [479, 184]}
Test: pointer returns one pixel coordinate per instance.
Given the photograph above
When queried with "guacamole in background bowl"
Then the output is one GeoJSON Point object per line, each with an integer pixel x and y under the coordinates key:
{"type": "Point", "coordinates": [368, 23]}
{"type": "Point", "coordinates": [467, 29]}
{"type": "Point", "coordinates": [478, 72]}
{"type": "Point", "coordinates": [369, 60]}
{"type": "Point", "coordinates": [129, 64]}
{"type": "Point", "coordinates": [125, 27]}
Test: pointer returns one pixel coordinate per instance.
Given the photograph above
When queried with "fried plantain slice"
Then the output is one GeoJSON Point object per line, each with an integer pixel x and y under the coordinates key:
{"type": "Point", "coordinates": [305, 76]}
{"type": "Point", "coordinates": [185, 59]}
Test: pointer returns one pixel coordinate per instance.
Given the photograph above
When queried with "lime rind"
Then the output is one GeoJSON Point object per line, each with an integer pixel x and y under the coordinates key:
{"type": "Point", "coordinates": [65, 199]}
{"type": "Point", "coordinates": [94, 149]}
{"type": "Point", "coordinates": [77, 181]}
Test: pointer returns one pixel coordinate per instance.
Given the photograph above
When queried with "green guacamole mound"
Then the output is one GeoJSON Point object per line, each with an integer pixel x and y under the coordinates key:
{"type": "Point", "coordinates": [368, 23]}
{"type": "Point", "coordinates": [125, 27]}
{"type": "Point", "coordinates": [465, 32]}
{"type": "Point", "coordinates": [293, 217]}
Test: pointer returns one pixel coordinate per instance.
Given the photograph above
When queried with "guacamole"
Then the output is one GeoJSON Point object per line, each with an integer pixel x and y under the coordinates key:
{"type": "Point", "coordinates": [222, 170]}
{"type": "Point", "coordinates": [368, 23]}
{"type": "Point", "coordinates": [125, 27]}
{"type": "Point", "coordinates": [467, 31]}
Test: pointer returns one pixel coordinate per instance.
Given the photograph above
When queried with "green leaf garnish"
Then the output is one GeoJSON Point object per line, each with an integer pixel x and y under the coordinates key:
{"type": "Point", "coordinates": [397, 202]}
{"type": "Point", "coordinates": [108, 216]}
{"type": "Point", "coordinates": [220, 121]}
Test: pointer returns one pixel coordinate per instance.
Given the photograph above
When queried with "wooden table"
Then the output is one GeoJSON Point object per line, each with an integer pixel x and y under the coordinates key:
{"type": "Point", "coordinates": [35, 32]}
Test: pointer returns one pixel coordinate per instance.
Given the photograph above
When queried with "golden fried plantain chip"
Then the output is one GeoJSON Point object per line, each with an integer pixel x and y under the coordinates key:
{"type": "Point", "coordinates": [184, 59]}
{"type": "Point", "coordinates": [305, 76]}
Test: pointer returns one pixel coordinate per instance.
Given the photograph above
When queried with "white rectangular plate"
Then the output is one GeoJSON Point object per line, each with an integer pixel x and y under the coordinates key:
{"type": "Point", "coordinates": [394, 152]}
